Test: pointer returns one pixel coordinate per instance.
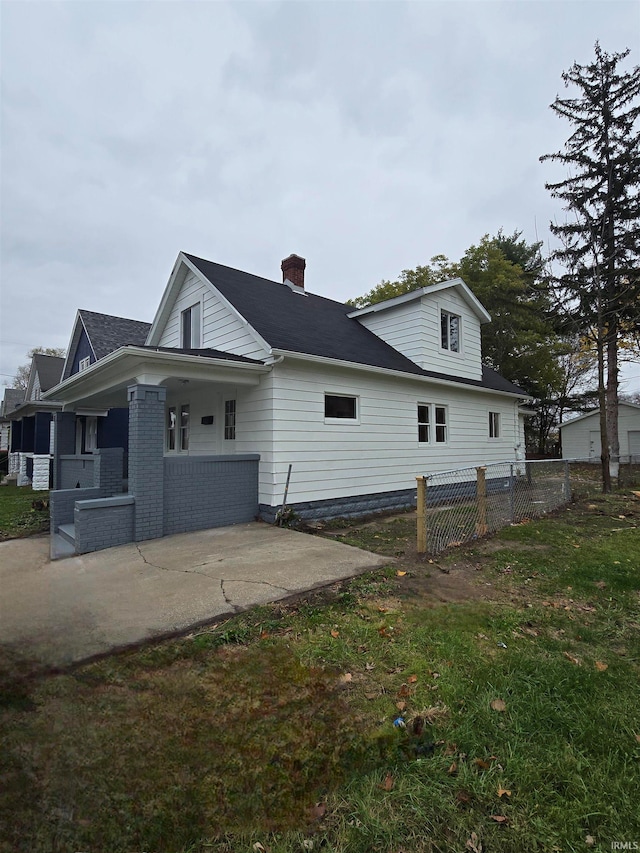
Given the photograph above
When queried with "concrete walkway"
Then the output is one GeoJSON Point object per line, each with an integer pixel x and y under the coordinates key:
{"type": "Point", "coordinates": [56, 613]}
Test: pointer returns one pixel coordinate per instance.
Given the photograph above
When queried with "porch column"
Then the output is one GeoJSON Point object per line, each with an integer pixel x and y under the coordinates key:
{"type": "Point", "coordinates": [146, 461]}
{"type": "Point", "coordinates": [64, 442]}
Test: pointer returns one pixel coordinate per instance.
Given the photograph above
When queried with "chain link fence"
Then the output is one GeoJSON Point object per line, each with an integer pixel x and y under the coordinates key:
{"type": "Point", "coordinates": [458, 506]}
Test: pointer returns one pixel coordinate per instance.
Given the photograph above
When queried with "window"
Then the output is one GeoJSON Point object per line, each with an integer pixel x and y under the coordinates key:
{"type": "Point", "coordinates": [428, 414]}
{"type": "Point", "coordinates": [91, 435]}
{"type": "Point", "coordinates": [340, 407]}
{"type": "Point", "coordinates": [441, 424]}
{"type": "Point", "coordinates": [190, 327]}
{"type": "Point", "coordinates": [494, 424]}
{"type": "Point", "coordinates": [450, 331]}
{"type": "Point", "coordinates": [171, 428]}
{"type": "Point", "coordinates": [229, 420]}
{"type": "Point", "coordinates": [84, 363]}
{"type": "Point", "coordinates": [423, 423]}
{"type": "Point", "coordinates": [184, 427]}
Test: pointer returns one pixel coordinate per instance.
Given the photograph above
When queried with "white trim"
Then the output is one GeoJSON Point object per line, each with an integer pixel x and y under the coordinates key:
{"type": "Point", "coordinates": [169, 296]}
{"type": "Point", "coordinates": [454, 283]}
{"type": "Point", "coordinates": [596, 412]}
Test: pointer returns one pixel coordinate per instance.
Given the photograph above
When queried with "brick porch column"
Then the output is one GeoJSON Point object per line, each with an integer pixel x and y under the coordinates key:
{"type": "Point", "coordinates": [146, 462]}
{"type": "Point", "coordinates": [64, 442]}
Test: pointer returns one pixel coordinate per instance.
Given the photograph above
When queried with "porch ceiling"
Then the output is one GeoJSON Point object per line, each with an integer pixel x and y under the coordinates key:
{"type": "Point", "coordinates": [104, 384]}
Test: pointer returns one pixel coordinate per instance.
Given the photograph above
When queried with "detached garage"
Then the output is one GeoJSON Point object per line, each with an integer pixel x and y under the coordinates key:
{"type": "Point", "coordinates": [581, 436]}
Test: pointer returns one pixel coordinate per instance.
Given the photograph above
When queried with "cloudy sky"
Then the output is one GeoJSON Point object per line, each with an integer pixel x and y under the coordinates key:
{"type": "Point", "coordinates": [365, 136]}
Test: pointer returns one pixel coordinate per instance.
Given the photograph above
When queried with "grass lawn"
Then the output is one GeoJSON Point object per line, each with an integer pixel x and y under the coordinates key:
{"type": "Point", "coordinates": [23, 512]}
{"type": "Point", "coordinates": [487, 702]}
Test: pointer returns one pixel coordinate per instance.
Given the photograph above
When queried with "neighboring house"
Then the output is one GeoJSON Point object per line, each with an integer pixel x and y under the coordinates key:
{"type": "Point", "coordinates": [581, 436]}
{"type": "Point", "coordinates": [12, 399]}
{"type": "Point", "coordinates": [94, 336]}
{"type": "Point", "coordinates": [32, 425]}
{"type": "Point", "coordinates": [242, 376]}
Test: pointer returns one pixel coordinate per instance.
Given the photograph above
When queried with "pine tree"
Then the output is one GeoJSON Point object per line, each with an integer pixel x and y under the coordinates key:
{"type": "Point", "coordinates": [601, 243]}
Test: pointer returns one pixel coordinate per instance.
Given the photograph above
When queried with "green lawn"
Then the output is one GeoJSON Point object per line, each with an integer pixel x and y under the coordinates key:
{"type": "Point", "coordinates": [23, 512]}
{"type": "Point", "coordinates": [275, 730]}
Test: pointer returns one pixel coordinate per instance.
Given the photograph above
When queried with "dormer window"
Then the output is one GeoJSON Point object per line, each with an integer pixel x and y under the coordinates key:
{"type": "Point", "coordinates": [190, 327]}
{"type": "Point", "coordinates": [84, 363]}
{"type": "Point", "coordinates": [450, 331]}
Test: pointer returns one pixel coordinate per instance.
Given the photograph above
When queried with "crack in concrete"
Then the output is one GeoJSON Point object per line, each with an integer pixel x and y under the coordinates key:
{"type": "Point", "coordinates": [192, 571]}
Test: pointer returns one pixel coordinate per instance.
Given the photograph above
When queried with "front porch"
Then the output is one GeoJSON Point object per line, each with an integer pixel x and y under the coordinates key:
{"type": "Point", "coordinates": [173, 475]}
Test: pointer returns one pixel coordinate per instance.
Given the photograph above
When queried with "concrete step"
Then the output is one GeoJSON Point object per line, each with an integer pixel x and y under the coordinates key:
{"type": "Point", "coordinates": [59, 548]}
{"type": "Point", "coordinates": [68, 533]}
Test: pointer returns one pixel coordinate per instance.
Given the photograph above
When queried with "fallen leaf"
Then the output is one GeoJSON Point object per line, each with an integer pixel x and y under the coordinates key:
{"type": "Point", "coordinates": [463, 796]}
{"type": "Point", "coordinates": [318, 811]}
{"type": "Point", "coordinates": [401, 706]}
{"type": "Point", "coordinates": [307, 844]}
{"type": "Point", "coordinates": [264, 635]}
{"type": "Point", "coordinates": [405, 690]}
{"type": "Point", "coordinates": [473, 844]}
{"type": "Point", "coordinates": [369, 666]}
{"type": "Point", "coordinates": [450, 749]}
{"type": "Point", "coordinates": [453, 769]}
{"type": "Point", "coordinates": [600, 584]}
{"type": "Point", "coordinates": [499, 818]}
{"type": "Point", "coordinates": [637, 494]}
{"type": "Point", "coordinates": [481, 764]}
{"type": "Point", "coordinates": [335, 634]}
{"type": "Point", "coordinates": [600, 666]}
{"type": "Point", "coordinates": [387, 785]}
{"type": "Point", "coordinates": [498, 705]}
{"type": "Point", "coordinates": [572, 658]}
{"type": "Point", "coordinates": [638, 738]}
{"type": "Point", "coordinates": [370, 695]}
{"type": "Point", "coordinates": [400, 574]}
{"type": "Point", "coordinates": [590, 841]}
{"type": "Point", "coordinates": [346, 678]}
{"type": "Point", "coordinates": [258, 847]}
{"type": "Point", "coordinates": [502, 792]}
{"type": "Point", "coordinates": [412, 679]}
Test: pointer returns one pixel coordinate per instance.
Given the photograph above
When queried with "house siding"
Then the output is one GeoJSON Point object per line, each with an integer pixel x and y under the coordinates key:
{"type": "Point", "coordinates": [381, 452]}
{"type": "Point", "coordinates": [413, 328]}
{"type": "Point", "coordinates": [221, 328]}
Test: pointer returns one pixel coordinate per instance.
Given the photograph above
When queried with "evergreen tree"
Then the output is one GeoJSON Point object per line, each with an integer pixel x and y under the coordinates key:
{"type": "Point", "coordinates": [600, 244]}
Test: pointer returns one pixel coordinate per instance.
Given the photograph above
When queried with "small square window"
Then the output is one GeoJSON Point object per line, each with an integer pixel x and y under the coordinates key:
{"type": "Point", "coordinates": [229, 420]}
{"type": "Point", "coordinates": [340, 407]}
{"type": "Point", "coordinates": [494, 424]}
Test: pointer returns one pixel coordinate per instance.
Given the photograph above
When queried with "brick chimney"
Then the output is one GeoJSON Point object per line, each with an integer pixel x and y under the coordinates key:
{"type": "Point", "coordinates": [293, 269]}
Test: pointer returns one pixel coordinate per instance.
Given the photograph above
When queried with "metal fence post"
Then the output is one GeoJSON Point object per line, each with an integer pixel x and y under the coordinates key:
{"type": "Point", "coordinates": [481, 492]}
{"type": "Point", "coordinates": [421, 483]}
{"type": "Point", "coordinates": [567, 481]}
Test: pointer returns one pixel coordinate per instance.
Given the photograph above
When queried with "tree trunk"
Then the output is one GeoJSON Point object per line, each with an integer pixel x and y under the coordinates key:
{"type": "Point", "coordinates": [612, 402]}
{"type": "Point", "coordinates": [602, 401]}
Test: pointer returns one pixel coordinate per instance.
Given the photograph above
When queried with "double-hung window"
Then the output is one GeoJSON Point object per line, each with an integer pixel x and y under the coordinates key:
{"type": "Point", "coordinates": [190, 337]}
{"type": "Point", "coordinates": [450, 331]}
{"type": "Point", "coordinates": [494, 424]}
{"type": "Point", "coordinates": [428, 415]}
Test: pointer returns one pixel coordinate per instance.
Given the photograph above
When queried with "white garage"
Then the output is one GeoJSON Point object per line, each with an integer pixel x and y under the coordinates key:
{"type": "Point", "coordinates": [581, 436]}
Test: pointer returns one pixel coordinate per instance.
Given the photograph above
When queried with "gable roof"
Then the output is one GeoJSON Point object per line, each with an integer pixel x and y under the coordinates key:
{"type": "Point", "coordinates": [316, 326]}
{"type": "Point", "coordinates": [105, 333]}
{"type": "Point", "coordinates": [456, 284]}
{"type": "Point", "coordinates": [596, 412]}
{"type": "Point", "coordinates": [48, 368]}
{"type": "Point", "coordinates": [12, 399]}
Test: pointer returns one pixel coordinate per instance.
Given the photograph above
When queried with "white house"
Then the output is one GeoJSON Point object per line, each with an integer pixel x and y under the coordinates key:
{"type": "Point", "coordinates": [238, 368]}
{"type": "Point", "coordinates": [581, 435]}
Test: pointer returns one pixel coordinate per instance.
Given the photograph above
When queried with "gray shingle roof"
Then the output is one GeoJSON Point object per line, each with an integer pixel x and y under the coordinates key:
{"type": "Point", "coordinates": [49, 369]}
{"type": "Point", "coordinates": [315, 325]}
{"type": "Point", "coordinates": [108, 333]}
{"type": "Point", "coordinates": [12, 399]}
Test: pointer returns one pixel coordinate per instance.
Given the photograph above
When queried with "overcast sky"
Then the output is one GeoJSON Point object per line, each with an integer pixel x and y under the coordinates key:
{"type": "Point", "coordinates": [365, 136]}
